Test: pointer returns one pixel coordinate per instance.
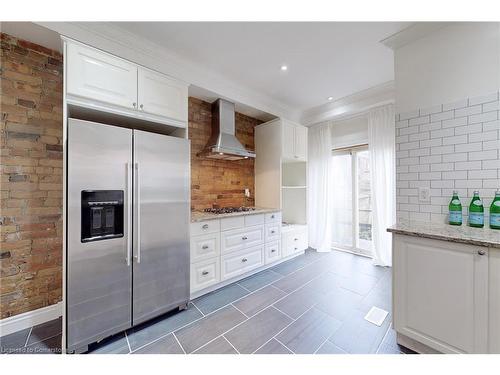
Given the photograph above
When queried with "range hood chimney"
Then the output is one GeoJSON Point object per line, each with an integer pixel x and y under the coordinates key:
{"type": "Point", "coordinates": [223, 143]}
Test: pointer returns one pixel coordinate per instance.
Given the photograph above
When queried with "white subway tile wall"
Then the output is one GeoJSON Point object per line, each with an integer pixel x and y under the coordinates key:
{"type": "Point", "coordinates": [454, 146]}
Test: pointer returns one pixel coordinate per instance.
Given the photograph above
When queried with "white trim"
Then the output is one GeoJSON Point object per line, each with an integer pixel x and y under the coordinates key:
{"type": "Point", "coordinates": [120, 42]}
{"type": "Point", "coordinates": [352, 105]}
{"type": "Point", "coordinates": [29, 319]}
{"type": "Point", "coordinates": [413, 32]}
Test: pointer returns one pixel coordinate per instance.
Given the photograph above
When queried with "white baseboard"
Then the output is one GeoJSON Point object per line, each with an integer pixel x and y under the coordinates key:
{"type": "Point", "coordinates": [29, 319]}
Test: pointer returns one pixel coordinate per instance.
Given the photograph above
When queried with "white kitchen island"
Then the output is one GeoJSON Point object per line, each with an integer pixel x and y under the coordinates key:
{"type": "Point", "coordinates": [446, 287]}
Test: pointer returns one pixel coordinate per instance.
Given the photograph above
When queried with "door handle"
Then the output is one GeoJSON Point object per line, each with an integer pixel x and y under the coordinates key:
{"type": "Point", "coordinates": [204, 273]}
{"type": "Point", "coordinates": [128, 191]}
{"type": "Point", "coordinates": [138, 212]}
{"type": "Point", "coordinates": [244, 260]}
{"type": "Point", "coordinates": [204, 247]}
{"type": "Point", "coordinates": [205, 226]}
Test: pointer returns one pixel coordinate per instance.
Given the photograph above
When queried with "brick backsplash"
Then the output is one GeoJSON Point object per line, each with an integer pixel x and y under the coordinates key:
{"type": "Point", "coordinates": [453, 146]}
{"type": "Point", "coordinates": [31, 176]}
{"type": "Point", "coordinates": [219, 182]}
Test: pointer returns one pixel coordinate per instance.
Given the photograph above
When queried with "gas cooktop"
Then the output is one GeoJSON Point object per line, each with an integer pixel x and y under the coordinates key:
{"type": "Point", "coordinates": [228, 210]}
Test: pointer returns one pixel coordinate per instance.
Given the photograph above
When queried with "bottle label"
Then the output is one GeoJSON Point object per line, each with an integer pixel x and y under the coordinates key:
{"type": "Point", "coordinates": [495, 220]}
{"type": "Point", "coordinates": [455, 217]}
{"type": "Point", "coordinates": [476, 218]}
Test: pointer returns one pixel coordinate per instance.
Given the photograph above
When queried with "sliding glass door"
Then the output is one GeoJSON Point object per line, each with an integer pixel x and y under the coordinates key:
{"type": "Point", "coordinates": [352, 209]}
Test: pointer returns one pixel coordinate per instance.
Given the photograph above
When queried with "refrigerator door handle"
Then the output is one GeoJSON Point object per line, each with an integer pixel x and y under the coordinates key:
{"type": "Point", "coordinates": [137, 213]}
{"type": "Point", "coordinates": [128, 183]}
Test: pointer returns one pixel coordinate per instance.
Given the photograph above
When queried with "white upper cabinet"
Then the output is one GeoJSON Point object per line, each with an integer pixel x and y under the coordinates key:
{"type": "Point", "coordinates": [98, 79]}
{"type": "Point", "coordinates": [294, 141]}
{"type": "Point", "coordinates": [300, 142]}
{"type": "Point", "coordinates": [98, 76]}
{"type": "Point", "coordinates": [161, 95]}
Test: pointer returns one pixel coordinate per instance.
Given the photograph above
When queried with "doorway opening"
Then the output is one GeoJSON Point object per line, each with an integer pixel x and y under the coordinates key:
{"type": "Point", "coordinates": [352, 200]}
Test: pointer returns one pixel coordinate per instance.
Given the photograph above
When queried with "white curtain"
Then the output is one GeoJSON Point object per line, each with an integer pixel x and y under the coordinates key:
{"type": "Point", "coordinates": [382, 144]}
{"type": "Point", "coordinates": [320, 188]}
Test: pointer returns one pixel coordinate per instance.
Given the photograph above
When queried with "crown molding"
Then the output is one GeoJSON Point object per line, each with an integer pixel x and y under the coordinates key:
{"type": "Point", "coordinates": [351, 105]}
{"type": "Point", "coordinates": [413, 32]}
{"type": "Point", "coordinates": [120, 42]}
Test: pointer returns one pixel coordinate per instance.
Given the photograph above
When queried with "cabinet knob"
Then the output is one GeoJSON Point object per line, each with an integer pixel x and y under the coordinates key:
{"type": "Point", "coordinates": [273, 250]}
{"type": "Point", "coordinates": [296, 248]}
{"type": "Point", "coordinates": [142, 106]}
{"type": "Point", "coordinates": [134, 104]}
{"type": "Point", "coordinates": [204, 247]}
{"type": "Point", "coordinates": [273, 232]}
{"type": "Point", "coordinates": [481, 252]}
{"type": "Point", "coordinates": [244, 238]}
{"type": "Point", "coordinates": [205, 273]}
{"type": "Point", "coordinates": [272, 216]}
{"type": "Point", "coordinates": [295, 239]}
{"type": "Point", "coordinates": [244, 260]}
{"type": "Point", "coordinates": [205, 226]}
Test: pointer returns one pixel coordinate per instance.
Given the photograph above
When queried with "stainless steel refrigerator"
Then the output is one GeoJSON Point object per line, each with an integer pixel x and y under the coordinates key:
{"type": "Point", "coordinates": [127, 229]}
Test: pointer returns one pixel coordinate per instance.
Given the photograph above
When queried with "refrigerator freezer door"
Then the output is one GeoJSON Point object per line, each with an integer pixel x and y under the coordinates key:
{"type": "Point", "coordinates": [161, 224]}
{"type": "Point", "coordinates": [99, 284]}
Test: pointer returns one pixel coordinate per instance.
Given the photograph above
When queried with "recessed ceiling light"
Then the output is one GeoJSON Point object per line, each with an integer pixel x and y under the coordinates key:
{"type": "Point", "coordinates": [330, 98]}
{"type": "Point", "coordinates": [221, 153]}
{"type": "Point", "coordinates": [284, 67]}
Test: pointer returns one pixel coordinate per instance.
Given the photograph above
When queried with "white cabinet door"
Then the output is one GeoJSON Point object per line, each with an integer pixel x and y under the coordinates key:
{"type": "Point", "coordinates": [494, 301]}
{"type": "Point", "coordinates": [441, 294]}
{"type": "Point", "coordinates": [161, 95]}
{"type": "Point", "coordinates": [204, 274]}
{"type": "Point", "coordinates": [288, 140]}
{"type": "Point", "coordinates": [96, 75]}
{"type": "Point", "coordinates": [300, 143]}
{"type": "Point", "coordinates": [235, 264]}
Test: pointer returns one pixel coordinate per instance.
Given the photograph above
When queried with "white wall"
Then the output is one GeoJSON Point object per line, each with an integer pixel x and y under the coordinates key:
{"type": "Point", "coordinates": [350, 132]}
{"type": "Point", "coordinates": [455, 62]}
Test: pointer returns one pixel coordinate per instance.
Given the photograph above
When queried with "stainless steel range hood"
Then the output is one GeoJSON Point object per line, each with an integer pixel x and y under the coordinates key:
{"type": "Point", "coordinates": [223, 143]}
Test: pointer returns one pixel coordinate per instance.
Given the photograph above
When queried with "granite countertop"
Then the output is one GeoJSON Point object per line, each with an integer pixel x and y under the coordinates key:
{"type": "Point", "coordinates": [463, 233]}
{"type": "Point", "coordinates": [201, 215]}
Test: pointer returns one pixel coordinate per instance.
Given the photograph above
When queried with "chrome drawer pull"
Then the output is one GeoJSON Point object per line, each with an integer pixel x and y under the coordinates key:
{"type": "Point", "coordinates": [481, 252]}
{"type": "Point", "coordinates": [272, 216]}
{"type": "Point", "coordinates": [244, 260]}
{"type": "Point", "coordinates": [272, 232]}
{"type": "Point", "coordinates": [205, 226]}
{"type": "Point", "coordinates": [295, 239]}
{"type": "Point", "coordinates": [204, 247]}
{"type": "Point", "coordinates": [273, 250]}
{"type": "Point", "coordinates": [296, 248]}
{"type": "Point", "coordinates": [244, 238]}
{"type": "Point", "coordinates": [205, 273]}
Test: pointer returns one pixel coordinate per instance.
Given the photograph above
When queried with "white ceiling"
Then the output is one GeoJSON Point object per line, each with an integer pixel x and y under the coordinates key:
{"type": "Point", "coordinates": [326, 59]}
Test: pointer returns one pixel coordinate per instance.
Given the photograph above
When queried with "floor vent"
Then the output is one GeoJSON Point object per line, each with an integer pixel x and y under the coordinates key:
{"type": "Point", "coordinates": [376, 316]}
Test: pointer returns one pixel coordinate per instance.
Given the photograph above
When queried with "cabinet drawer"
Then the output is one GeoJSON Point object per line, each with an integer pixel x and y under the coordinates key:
{"type": "Point", "coordinates": [205, 246]}
{"type": "Point", "coordinates": [204, 274]}
{"type": "Point", "coordinates": [273, 217]}
{"type": "Point", "coordinates": [235, 264]}
{"type": "Point", "coordinates": [96, 75]}
{"type": "Point", "coordinates": [294, 242]}
{"type": "Point", "coordinates": [229, 223]}
{"type": "Point", "coordinates": [238, 239]}
{"type": "Point", "coordinates": [273, 232]}
{"type": "Point", "coordinates": [204, 227]}
{"type": "Point", "coordinates": [272, 252]}
{"type": "Point", "coordinates": [251, 220]}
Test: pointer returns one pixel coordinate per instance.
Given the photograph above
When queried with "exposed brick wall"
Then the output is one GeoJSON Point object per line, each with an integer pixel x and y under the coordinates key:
{"type": "Point", "coordinates": [219, 182]}
{"type": "Point", "coordinates": [31, 176]}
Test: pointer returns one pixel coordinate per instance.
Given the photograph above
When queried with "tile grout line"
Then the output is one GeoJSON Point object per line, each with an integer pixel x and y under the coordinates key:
{"type": "Point", "coordinates": [286, 347]}
{"type": "Point", "coordinates": [248, 290]}
{"type": "Point", "coordinates": [240, 310]}
{"type": "Point", "coordinates": [323, 343]}
{"type": "Point", "coordinates": [229, 342]}
{"type": "Point", "coordinates": [178, 342]}
{"type": "Point", "coordinates": [383, 338]}
{"type": "Point", "coordinates": [196, 307]}
{"type": "Point", "coordinates": [128, 343]}
{"type": "Point", "coordinates": [28, 337]}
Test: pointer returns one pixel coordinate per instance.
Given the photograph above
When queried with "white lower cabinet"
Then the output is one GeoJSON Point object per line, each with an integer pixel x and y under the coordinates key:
{"type": "Point", "coordinates": [232, 247]}
{"type": "Point", "coordinates": [240, 262]}
{"type": "Point", "coordinates": [272, 252]}
{"type": "Point", "coordinates": [204, 274]}
{"type": "Point", "coordinates": [441, 294]}
{"type": "Point", "coordinates": [294, 240]}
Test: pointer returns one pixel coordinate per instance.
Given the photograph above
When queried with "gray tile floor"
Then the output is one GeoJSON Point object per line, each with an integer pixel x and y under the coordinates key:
{"type": "Point", "coordinates": [314, 303]}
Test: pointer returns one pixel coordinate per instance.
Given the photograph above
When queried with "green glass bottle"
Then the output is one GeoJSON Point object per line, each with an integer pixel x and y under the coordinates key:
{"type": "Point", "coordinates": [455, 210]}
{"type": "Point", "coordinates": [476, 211]}
{"type": "Point", "coordinates": [495, 211]}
